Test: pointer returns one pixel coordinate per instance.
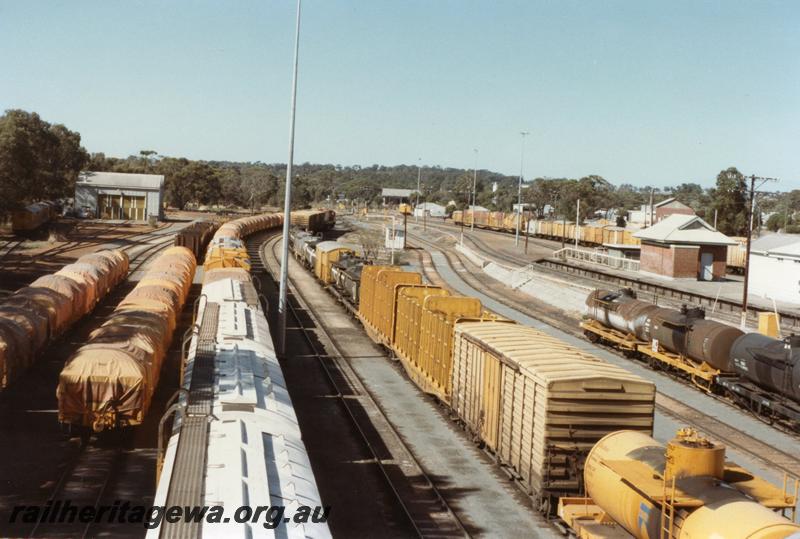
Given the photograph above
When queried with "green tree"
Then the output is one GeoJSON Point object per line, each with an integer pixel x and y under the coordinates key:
{"type": "Point", "coordinates": [730, 202]}
{"type": "Point", "coordinates": [461, 191]}
{"type": "Point", "coordinates": [38, 160]}
{"type": "Point", "coordinates": [193, 182]}
{"type": "Point", "coordinates": [776, 222]}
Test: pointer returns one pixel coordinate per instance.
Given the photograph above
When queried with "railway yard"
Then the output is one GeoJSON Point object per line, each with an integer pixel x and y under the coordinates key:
{"type": "Point", "coordinates": [474, 388]}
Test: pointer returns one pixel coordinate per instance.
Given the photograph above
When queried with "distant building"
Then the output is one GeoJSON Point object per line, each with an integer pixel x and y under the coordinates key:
{"type": "Point", "coordinates": [117, 195]}
{"type": "Point", "coordinates": [394, 237]}
{"type": "Point", "coordinates": [524, 205]}
{"type": "Point", "coordinates": [684, 247]}
{"type": "Point", "coordinates": [775, 267]}
{"type": "Point", "coordinates": [431, 208]}
{"type": "Point", "coordinates": [393, 196]}
{"type": "Point", "coordinates": [658, 212]}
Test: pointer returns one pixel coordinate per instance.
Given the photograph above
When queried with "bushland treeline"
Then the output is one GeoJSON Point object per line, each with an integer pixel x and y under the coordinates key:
{"type": "Point", "coordinates": [39, 160]}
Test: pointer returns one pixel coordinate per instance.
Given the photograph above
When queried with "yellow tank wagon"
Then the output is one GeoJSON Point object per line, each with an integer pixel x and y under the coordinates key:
{"type": "Point", "coordinates": [638, 488]}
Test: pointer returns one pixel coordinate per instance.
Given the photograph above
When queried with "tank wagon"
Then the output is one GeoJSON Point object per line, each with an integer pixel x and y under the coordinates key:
{"type": "Point", "coordinates": [543, 407]}
{"type": "Point", "coordinates": [196, 237]}
{"type": "Point", "coordinates": [488, 370]}
{"type": "Point", "coordinates": [253, 450]}
{"type": "Point", "coordinates": [759, 373]}
{"type": "Point", "coordinates": [314, 220]}
{"type": "Point", "coordinates": [40, 313]}
{"type": "Point", "coordinates": [110, 381]}
{"type": "Point", "coordinates": [638, 488]}
{"type": "Point", "coordinates": [33, 216]}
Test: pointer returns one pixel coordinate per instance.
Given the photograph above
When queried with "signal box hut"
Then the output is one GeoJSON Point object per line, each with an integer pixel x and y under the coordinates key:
{"type": "Point", "coordinates": [118, 195]}
{"type": "Point", "coordinates": [684, 247]}
{"type": "Point", "coordinates": [431, 208]}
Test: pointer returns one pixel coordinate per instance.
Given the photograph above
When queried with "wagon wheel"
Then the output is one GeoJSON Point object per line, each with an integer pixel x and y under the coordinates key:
{"type": "Point", "coordinates": [591, 336]}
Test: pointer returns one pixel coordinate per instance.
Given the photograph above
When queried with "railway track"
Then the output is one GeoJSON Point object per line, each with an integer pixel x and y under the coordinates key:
{"type": "Point", "coordinates": [8, 247]}
{"type": "Point", "coordinates": [75, 244]}
{"type": "Point", "coordinates": [431, 517]}
{"type": "Point", "coordinates": [772, 457]}
{"type": "Point", "coordinates": [86, 476]}
{"type": "Point", "coordinates": [723, 308]}
{"type": "Point", "coordinates": [593, 279]}
{"type": "Point", "coordinates": [83, 484]}
{"type": "Point", "coordinates": [733, 319]}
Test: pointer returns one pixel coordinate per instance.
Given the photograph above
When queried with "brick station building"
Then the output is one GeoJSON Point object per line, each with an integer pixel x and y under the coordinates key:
{"type": "Point", "coordinates": [684, 247]}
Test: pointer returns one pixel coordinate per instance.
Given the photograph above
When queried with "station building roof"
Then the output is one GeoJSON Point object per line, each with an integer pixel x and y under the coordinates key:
{"type": "Point", "coordinates": [777, 245]}
{"type": "Point", "coordinates": [148, 182]}
{"type": "Point", "coordinates": [685, 230]}
{"type": "Point", "coordinates": [397, 193]}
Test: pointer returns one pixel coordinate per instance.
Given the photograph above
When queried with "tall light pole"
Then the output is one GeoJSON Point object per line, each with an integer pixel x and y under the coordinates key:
{"type": "Point", "coordinates": [474, 186]}
{"type": "Point", "coordinates": [287, 200]}
{"type": "Point", "coordinates": [519, 187]}
{"type": "Point", "coordinates": [419, 176]}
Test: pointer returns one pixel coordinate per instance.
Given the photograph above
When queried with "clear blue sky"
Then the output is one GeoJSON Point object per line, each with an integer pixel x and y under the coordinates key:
{"type": "Point", "coordinates": [638, 92]}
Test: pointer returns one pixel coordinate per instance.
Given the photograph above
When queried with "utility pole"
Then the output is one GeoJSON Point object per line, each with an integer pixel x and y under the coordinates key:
{"type": "Point", "coordinates": [287, 201]}
{"type": "Point", "coordinates": [577, 222]}
{"type": "Point", "coordinates": [527, 233]}
{"type": "Point", "coordinates": [394, 239]}
{"type": "Point", "coordinates": [405, 229]}
{"type": "Point", "coordinates": [419, 176]}
{"type": "Point", "coordinates": [751, 211]}
{"type": "Point", "coordinates": [474, 186]}
{"type": "Point", "coordinates": [519, 187]}
{"type": "Point", "coordinates": [650, 209]}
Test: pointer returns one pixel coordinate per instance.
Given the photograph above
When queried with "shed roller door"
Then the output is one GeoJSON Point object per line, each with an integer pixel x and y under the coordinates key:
{"type": "Point", "coordinates": [133, 208]}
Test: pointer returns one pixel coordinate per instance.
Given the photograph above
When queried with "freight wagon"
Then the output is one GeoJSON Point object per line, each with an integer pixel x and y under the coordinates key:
{"type": "Point", "coordinates": [547, 410]}
{"type": "Point", "coordinates": [539, 404]}
{"type": "Point", "coordinates": [590, 234]}
{"type": "Point", "coordinates": [196, 237]}
{"type": "Point", "coordinates": [637, 488]}
{"type": "Point", "coordinates": [759, 373]}
{"type": "Point", "coordinates": [41, 312]}
{"type": "Point", "coordinates": [33, 216]}
{"type": "Point", "coordinates": [346, 275]}
{"type": "Point", "coordinates": [327, 253]}
{"type": "Point", "coordinates": [110, 381]}
{"type": "Point", "coordinates": [314, 220]}
{"type": "Point", "coordinates": [737, 255]}
{"type": "Point", "coordinates": [531, 400]}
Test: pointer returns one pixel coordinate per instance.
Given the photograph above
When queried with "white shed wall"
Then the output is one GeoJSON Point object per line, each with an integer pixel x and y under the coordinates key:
{"type": "Point", "coordinates": [775, 277]}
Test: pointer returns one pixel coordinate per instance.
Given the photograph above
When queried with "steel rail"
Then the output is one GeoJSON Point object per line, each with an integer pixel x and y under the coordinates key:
{"type": "Point", "coordinates": [272, 244]}
{"type": "Point", "coordinates": [773, 457]}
